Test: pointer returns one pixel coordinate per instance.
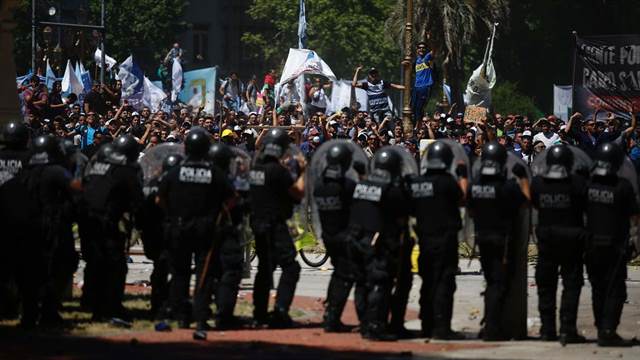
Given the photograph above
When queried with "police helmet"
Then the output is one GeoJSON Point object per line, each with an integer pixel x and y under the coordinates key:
{"type": "Point", "coordinates": [221, 155]}
{"type": "Point", "coordinates": [196, 145]}
{"type": "Point", "coordinates": [171, 161]}
{"type": "Point", "coordinates": [127, 146]}
{"type": "Point", "coordinates": [105, 150]}
{"type": "Point", "coordinates": [389, 160]}
{"type": "Point", "coordinates": [439, 156]}
{"type": "Point", "coordinates": [275, 143]}
{"type": "Point", "coordinates": [493, 159]}
{"type": "Point", "coordinates": [338, 160]}
{"type": "Point", "coordinates": [46, 149]}
{"type": "Point", "coordinates": [559, 162]}
{"type": "Point", "coordinates": [608, 159]}
{"type": "Point", "coordinates": [16, 135]}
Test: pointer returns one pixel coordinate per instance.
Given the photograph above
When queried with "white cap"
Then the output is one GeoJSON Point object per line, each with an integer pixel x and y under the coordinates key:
{"type": "Point", "coordinates": [237, 128]}
{"type": "Point", "coordinates": [526, 133]}
{"type": "Point", "coordinates": [135, 113]}
{"type": "Point", "coordinates": [449, 120]}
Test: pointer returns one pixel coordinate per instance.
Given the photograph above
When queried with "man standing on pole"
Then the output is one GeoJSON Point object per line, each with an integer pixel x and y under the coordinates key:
{"type": "Point", "coordinates": [424, 80]}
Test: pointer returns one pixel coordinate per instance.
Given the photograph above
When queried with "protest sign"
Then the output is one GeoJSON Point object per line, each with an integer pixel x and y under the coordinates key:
{"type": "Point", "coordinates": [475, 114]}
{"type": "Point", "coordinates": [199, 88]}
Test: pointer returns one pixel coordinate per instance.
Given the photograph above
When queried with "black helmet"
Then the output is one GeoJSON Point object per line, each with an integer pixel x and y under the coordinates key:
{"type": "Point", "coordinates": [221, 155]}
{"type": "Point", "coordinates": [608, 159]}
{"type": "Point", "coordinates": [196, 145]}
{"type": "Point", "coordinates": [494, 157]}
{"type": "Point", "coordinates": [16, 135]}
{"type": "Point", "coordinates": [46, 149]}
{"type": "Point", "coordinates": [338, 160]}
{"type": "Point", "coordinates": [389, 160]}
{"type": "Point", "coordinates": [127, 146]}
{"type": "Point", "coordinates": [171, 161]}
{"type": "Point", "coordinates": [104, 152]}
{"type": "Point", "coordinates": [275, 143]}
{"type": "Point", "coordinates": [559, 162]}
{"type": "Point", "coordinates": [439, 156]}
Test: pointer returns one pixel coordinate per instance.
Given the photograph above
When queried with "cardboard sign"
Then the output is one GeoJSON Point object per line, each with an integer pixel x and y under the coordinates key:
{"type": "Point", "coordinates": [475, 114]}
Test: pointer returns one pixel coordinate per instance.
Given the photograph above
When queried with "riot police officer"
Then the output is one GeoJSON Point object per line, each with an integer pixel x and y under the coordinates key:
{"type": "Point", "coordinates": [273, 194]}
{"type": "Point", "coordinates": [228, 256]}
{"type": "Point", "coordinates": [493, 201]}
{"type": "Point", "coordinates": [13, 218]}
{"type": "Point", "coordinates": [193, 195]}
{"type": "Point", "coordinates": [153, 230]}
{"type": "Point", "coordinates": [559, 197]}
{"type": "Point", "coordinates": [49, 185]}
{"type": "Point", "coordinates": [611, 203]}
{"type": "Point", "coordinates": [332, 194]}
{"type": "Point", "coordinates": [111, 189]}
{"type": "Point", "coordinates": [377, 219]}
{"type": "Point", "coordinates": [436, 198]}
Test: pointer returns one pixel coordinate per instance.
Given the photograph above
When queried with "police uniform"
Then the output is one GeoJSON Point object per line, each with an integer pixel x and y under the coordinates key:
{"type": "Point", "coordinates": [49, 189]}
{"type": "Point", "coordinates": [436, 197]}
{"type": "Point", "coordinates": [111, 189]}
{"type": "Point", "coordinates": [332, 194]}
{"type": "Point", "coordinates": [13, 212]}
{"type": "Point", "coordinates": [493, 202]}
{"type": "Point", "coordinates": [271, 207]}
{"type": "Point", "coordinates": [559, 198]}
{"type": "Point", "coordinates": [193, 195]}
{"type": "Point", "coordinates": [610, 204]}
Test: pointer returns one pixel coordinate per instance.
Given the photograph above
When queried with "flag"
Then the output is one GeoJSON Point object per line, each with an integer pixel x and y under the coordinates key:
{"type": "Point", "coordinates": [70, 82]}
{"type": "Point", "coordinates": [302, 26]}
{"type": "Point", "coordinates": [483, 79]}
{"type": "Point", "coordinates": [562, 101]}
{"type": "Point", "coordinates": [447, 92]}
{"type": "Point", "coordinates": [85, 79]}
{"type": "Point", "coordinates": [77, 70]}
{"type": "Point", "coordinates": [176, 80]}
{"type": "Point", "coordinates": [200, 88]}
{"type": "Point", "coordinates": [302, 61]}
{"type": "Point", "coordinates": [50, 76]}
{"type": "Point", "coordinates": [108, 60]}
{"type": "Point", "coordinates": [132, 82]}
{"type": "Point", "coordinates": [153, 95]}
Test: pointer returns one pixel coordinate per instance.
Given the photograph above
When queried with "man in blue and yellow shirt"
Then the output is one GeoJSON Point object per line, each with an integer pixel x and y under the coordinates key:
{"type": "Point", "coordinates": [424, 81]}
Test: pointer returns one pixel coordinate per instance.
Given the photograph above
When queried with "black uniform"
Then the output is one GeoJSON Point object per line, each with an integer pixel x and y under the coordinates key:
{"type": "Point", "coordinates": [436, 197]}
{"type": "Point", "coordinates": [111, 189]}
{"type": "Point", "coordinates": [48, 186]}
{"type": "Point", "coordinates": [561, 237]}
{"type": "Point", "coordinates": [333, 199]}
{"type": "Point", "coordinates": [271, 207]}
{"type": "Point", "coordinates": [494, 202]}
{"type": "Point", "coordinates": [193, 193]}
{"type": "Point", "coordinates": [610, 203]}
{"type": "Point", "coordinates": [13, 220]}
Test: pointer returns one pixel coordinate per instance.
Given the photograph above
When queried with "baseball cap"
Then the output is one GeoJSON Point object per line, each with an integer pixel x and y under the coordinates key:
{"type": "Point", "coordinates": [449, 120]}
{"type": "Point", "coordinates": [459, 114]}
{"type": "Point", "coordinates": [135, 113]}
{"type": "Point", "coordinates": [526, 133]}
{"type": "Point", "coordinates": [226, 132]}
{"type": "Point", "coordinates": [237, 128]}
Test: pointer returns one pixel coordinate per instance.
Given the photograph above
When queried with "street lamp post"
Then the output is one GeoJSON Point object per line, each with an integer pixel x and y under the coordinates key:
{"type": "Point", "coordinates": [407, 61]}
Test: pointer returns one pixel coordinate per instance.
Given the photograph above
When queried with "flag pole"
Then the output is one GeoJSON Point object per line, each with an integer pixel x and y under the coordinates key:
{"type": "Point", "coordinates": [103, 33]}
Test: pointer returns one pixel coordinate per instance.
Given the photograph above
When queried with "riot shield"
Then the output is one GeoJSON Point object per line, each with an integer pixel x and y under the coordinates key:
{"type": "Point", "coordinates": [239, 168]}
{"type": "Point", "coordinates": [151, 160]}
{"type": "Point", "coordinates": [316, 170]}
{"type": "Point", "coordinates": [512, 160]}
{"type": "Point", "coordinates": [459, 156]}
{"type": "Point", "coordinates": [581, 162]}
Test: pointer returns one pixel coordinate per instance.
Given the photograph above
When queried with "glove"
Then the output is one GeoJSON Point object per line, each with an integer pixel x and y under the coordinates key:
{"type": "Point", "coordinates": [461, 171]}
{"type": "Point", "coordinates": [519, 171]}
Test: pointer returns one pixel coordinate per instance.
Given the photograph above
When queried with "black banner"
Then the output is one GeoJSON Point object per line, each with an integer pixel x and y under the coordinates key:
{"type": "Point", "coordinates": [606, 74]}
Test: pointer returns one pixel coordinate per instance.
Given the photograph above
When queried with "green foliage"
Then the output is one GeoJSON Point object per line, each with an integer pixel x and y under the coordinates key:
{"type": "Point", "coordinates": [508, 99]}
{"type": "Point", "coordinates": [344, 33]}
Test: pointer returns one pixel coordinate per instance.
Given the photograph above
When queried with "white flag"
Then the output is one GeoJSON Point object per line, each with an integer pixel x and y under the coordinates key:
{"type": "Point", "coordinates": [50, 75]}
{"type": "Point", "coordinates": [70, 82]}
{"type": "Point", "coordinates": [176, 80]}
{"type": "Point", "coordinates": [108, 60]}
{"type": "Point", "coordinates": [153, 95]}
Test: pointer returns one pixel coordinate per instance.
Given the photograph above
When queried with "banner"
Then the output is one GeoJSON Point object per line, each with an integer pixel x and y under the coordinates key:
{"type": "Point", "coordinates": [176, 80]}
{"type": "Point", "coordinates": [341, 96]}
{"type": "Point", "coordinates": [302, 61]}
{"type": "Point", "coordinates": [562, 101]}
{"type": "Point", "coordinates": [606, 74]}
{"type": "Point", "coordinates": [200, 88]}
{"type": "Point", "coordinates": [132, 82]}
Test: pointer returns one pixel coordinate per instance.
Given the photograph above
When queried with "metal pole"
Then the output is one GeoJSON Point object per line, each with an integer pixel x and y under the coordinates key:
{"type": "Point", "coordinates": [407, 123]}
{"type": "Point", "coordinates": [33, 36]}
{"type": "Point", "coordinates": [103, 35]}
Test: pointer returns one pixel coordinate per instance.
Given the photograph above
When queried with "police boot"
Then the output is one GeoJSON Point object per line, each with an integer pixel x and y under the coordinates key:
{"type": "Point", "coordinates": [377, 332]}
{"type": "Point", "coordinates": [610, 338]}
{"type": "Point", "coordinates": [548, 329]}
{"type": "Point", "coordinates": [280, 319]}
{"type": "Point", "coordinates": [447, 334]}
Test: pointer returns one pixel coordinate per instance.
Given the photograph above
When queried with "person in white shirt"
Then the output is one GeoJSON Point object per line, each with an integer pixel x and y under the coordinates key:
{"type": "Point", "coordinates": [546, 134]}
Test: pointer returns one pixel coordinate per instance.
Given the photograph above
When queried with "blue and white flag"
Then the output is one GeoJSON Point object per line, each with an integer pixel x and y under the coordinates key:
{"type": "Point", "coordinates": [132, 82]}
{"type": "Point", "coordinates": [70, 82]}
{"type": "Point", "coordinates": [176, 80]}
{"type": "Point", "coordinates": [447, 91]}
{"type": "Point", "coordinates": [153, 95]}
{"type": "Point", "coordinates": [85, 78]}
{"type": "Point", "coordinates": [302, 26]}
{"type": "Point", "coordinates": [108, 60]}
{"type": "Point", "coordinates": [50, 76]}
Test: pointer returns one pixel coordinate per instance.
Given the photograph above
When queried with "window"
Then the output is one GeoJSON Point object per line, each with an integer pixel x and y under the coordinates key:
{"type": "Point", "coordinates": [200, 43]}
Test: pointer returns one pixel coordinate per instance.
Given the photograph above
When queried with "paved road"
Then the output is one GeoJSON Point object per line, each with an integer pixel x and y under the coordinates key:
{"type": "Point", "coordinates": [468, 312]}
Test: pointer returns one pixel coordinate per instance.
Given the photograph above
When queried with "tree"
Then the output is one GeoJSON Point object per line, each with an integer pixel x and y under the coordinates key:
{"type": "Point", "coordinates": [144, 28]}
{"type": "Point", "coordinates": [344, 33]}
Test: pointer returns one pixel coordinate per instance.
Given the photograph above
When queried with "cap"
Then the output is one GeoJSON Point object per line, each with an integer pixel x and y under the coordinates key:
{"type": "Point", "coordinates": [237, 128]}
{"type": "Point", "coordinates": [332, 122]}
{"type": "Point", "coordinates": [363, 136]}
{"type": "Point", "coordinates": [248, 132]}
{"type": "Point", "coordinates": [562, 127]}
{"type": "Point", "coordinates": [459, 114]}
{"type": "Point", "coordinates": [527, 133]}
{"type": "Point", "coordinates": [443, 115]}
{"type": "Point", "coordinates": [316, 139]}
{"type": "Point", "coordinates": [449, 120]}
{"type": "Point", "coordinates": [135, 113]}
{"type": "Point", "coordinates": [226, 132]}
